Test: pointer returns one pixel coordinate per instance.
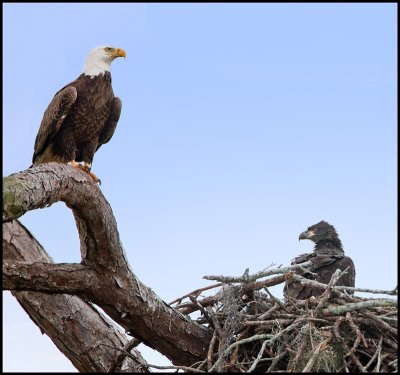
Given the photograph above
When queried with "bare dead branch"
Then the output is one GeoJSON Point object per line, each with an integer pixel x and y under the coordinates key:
{"type": "Point", "coordinates": [328, 291]}
{"type": "Point", "coordinates": [234, 345]}
{"type": "Point", "coordinates": [196, 293]}
{"type": "Point", "coordinates": [231, 279]}
{"type": "Point", "coordinates": [211, 350]}
{"type": "Point", "coordinates": [393, 292]}
{"type": "Point", "coordinates": [259, 355]}
{"type": "Point", "coordinates": [377, 352]}
{"type": "Point", "coordinates": [314, 356]}
{"type": "Point", "coordinates": [189, 307]}
{"type": "Point", "coordinates": [185, 368]}
{"type": "Point", "coordinates": [338, 310]}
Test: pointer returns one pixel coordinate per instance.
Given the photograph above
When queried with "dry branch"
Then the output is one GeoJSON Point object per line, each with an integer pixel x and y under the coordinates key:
{"type": "Point", "coordinates": [73, 324]}
{"type": "Point", "coordinates": [113, 286]}
{"type": "Point", "coordinates": [303, 267]}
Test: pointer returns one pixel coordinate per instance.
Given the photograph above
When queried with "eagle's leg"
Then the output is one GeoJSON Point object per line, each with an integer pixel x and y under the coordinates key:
{"type": "Point", "coordinates": [87, 168]}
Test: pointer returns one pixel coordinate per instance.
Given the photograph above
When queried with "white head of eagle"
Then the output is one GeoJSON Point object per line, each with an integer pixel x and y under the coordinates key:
{"type": "Point", "coordinates": [100, 59]}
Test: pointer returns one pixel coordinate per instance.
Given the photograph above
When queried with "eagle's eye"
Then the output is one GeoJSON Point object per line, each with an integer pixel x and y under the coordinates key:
{"type": "Point", "coordinates": [107, 49]}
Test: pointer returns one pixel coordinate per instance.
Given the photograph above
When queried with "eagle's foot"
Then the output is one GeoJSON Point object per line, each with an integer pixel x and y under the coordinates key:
{"type": "Point", "coordinates": [76, 164]}
{"type": "Point", "coordinates": [86, 167]}
{"type": "Point", "coordinates": [94, 178]}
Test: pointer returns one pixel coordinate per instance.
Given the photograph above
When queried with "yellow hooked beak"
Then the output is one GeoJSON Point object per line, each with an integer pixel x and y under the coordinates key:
{"type": "Point", "coordinates": [119, 52]}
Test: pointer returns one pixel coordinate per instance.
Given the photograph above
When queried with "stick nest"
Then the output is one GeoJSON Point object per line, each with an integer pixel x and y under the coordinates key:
{"type": "Point", "coordinates": [253, 331]}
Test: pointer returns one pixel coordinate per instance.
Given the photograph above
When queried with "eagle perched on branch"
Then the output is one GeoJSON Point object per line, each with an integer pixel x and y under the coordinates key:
{"type": "Point", "coordinates": [82, 116]}
{"type": "Point", "coordinates": [327, 257]}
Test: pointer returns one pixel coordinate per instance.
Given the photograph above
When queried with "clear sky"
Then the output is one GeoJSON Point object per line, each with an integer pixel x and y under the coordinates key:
{"type": "Point", "coordinates": [241, 125]}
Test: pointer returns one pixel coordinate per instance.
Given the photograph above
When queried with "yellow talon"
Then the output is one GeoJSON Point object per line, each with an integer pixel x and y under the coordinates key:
{"type": "Point", "coordinates": [86, 167]}
{"type": "Point", "coordinates": [94, 177]}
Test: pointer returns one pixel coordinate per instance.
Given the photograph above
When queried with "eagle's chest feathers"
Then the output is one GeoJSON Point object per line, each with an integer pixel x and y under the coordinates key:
{"type": "Point", "coordinates": [91, 109]}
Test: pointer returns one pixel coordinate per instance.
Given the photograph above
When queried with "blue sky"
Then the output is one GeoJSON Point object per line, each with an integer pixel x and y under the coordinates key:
{"type": "Point", "coordinates": [241, 125]}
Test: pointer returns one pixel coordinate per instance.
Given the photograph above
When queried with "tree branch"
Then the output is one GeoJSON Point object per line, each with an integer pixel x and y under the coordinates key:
{"type": "Point", "coordinates": [276, 271]}
{"type": "Point", "coordinates": [73, 324]}
{"type": "Point", "coordinates": [48, 277]}
{"type": "Point", "coordinates": [339, 310]}
{"type": "Point", "coordinates": [121, 294]}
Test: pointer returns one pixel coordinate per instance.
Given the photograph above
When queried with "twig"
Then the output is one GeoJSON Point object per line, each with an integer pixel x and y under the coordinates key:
{"type": "Point", "coordinates": [328, 291]}
{"type": "Point", "coordinates": [214, 321]}
{"type": "Point", "coordinates": [240, 342]}
{"type": "Point", "coordinates": [303, 281]}
{"type": "Point", "coordinates": [188, 308]}
{"type": "Point", "coordinates": [381, 323]}
{"type": "Point", "coordinates": [257, 285]}
{"type": "Point", "coordinates": [236, 350]}
{"type": "Point", "coordinates": [196, 292]}
{"type": "Point", "coordinates": [357, 362]}
{"type": "Point", "coordinates": [357, 331]}
{"type": "Point", "coordinates": [268, 313]}
{"type": "Point", "coordinates": [314, 356]}
{"type": "Point", "coordinates": [275, 299]}
{"type": "Point", "coordinates": [276, 360]}
{"type": "Point", "coordinates": [198, 365]}
{"type": "Point", "coordinates": [299, 352]}
{"type": "Point", "coordinates": [211, 350]}
{"type": "Point", "coordinates": [335, 330]}
{"type": "Point", "coordinates": [185, 368]}
{"type": "Point", "coordinates": [339, 310]}
{"type": "Point", "coordinates": [231, 279]}
{"type": "Point", "coordinates": [127, 348]}
{"type": "Point", "coordinates": [377, 352]}
{"type": "Point", "coordinates": [393, 292]}
{"type": "Point", "coordinates": [260, 353]}
{"type": "Point", "coordinates": [393, 364]}
{"type": "Point", "coordinates": [266, 323]}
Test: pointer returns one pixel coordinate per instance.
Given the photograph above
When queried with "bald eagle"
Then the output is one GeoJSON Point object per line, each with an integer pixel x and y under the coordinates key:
{"type": "Point", "coordinates": [82, 116]}
{"type": "Point", "coordinates": [327, 257]}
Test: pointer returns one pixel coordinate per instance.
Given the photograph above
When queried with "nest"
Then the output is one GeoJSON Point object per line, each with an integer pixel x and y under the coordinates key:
{"type": "Point", "coordinates": [253, 331]}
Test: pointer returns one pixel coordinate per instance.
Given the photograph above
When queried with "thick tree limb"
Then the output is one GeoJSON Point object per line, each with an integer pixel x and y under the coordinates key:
{"type": "Point", "coordinates": [73, 324]}
{"type": "Point", "coordinates": [48, 278]}
{"type": "Point", "coordinates": [119, 293]}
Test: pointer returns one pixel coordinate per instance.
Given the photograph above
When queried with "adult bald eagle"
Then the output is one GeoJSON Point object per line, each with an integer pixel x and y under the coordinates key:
{"type": "Point", "coordinates": [327, 257]}
{"type": "Point", "coordinates": [82, 116]}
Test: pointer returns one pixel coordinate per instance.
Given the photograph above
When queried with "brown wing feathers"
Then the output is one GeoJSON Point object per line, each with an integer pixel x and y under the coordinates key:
{"type": "Point", "coordinates": [111, 123]}
{"type": "Point", "coordinates": [53, 118]}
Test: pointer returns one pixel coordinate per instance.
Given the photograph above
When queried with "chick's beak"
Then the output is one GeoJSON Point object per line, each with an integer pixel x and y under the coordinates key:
{"type": "Point", "coordinates": [303, 235]}
{"type": "Point", "coordinates": [306, 235]}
